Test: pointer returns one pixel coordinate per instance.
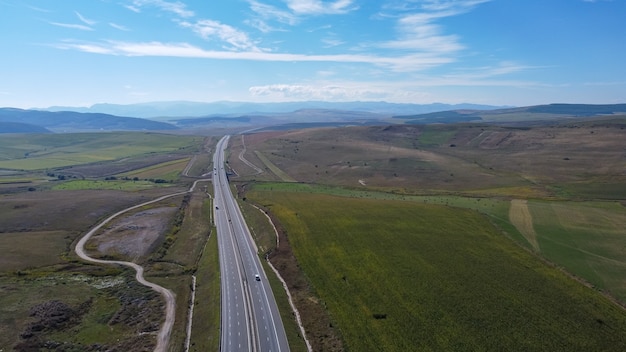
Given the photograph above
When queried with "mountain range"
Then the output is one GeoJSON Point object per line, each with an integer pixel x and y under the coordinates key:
{"type": "Point", "coordinates": [165, 110]}
{"type": "Point", "coordinates": [253, 116]}
{"type": "Point", "coordinates": [35, 121]}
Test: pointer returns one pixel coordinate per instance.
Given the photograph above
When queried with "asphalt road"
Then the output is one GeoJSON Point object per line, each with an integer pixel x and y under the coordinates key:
{"type": "Point", "coordinates": [250, 317]}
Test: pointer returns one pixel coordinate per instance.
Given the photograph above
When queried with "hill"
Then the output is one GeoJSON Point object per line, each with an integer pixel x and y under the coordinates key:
{"type": "Point", "coordinates": [535, 113]}
{"type": "Point", "coordinates": [70, 121]}
{"type": "Point", "coordinates": [166, 109]}
{"type": "Point", "coordinates": [18, 127]}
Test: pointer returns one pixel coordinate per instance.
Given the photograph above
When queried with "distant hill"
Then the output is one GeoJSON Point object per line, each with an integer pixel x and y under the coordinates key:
{"type": "Point", "coordinates": [522, 114]}
{"type": "Point", "coordinates": [166, 110]}
{"type": "Point", "coordinates": [70, 121]}
{"type": "Point", "coordinates": [18, 127]}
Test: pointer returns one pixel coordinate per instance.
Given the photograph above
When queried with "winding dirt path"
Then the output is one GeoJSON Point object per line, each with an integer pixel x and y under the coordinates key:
{"type": "Point", "coordinates": [163, 337]}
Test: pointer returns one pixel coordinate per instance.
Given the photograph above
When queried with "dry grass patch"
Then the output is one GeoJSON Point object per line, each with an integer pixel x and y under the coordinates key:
{"type": "Point", "coordinates": [520, 217]}
{"type": "Point", "coordinates": [25, 250]}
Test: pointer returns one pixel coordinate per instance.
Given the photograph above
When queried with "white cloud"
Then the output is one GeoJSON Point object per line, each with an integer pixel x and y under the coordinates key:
{"type": "Point", "coordinates": [343, 91]}
{"type": "Point", "coordinates": [209, 29]}
{"type": "Point", "coordinates": [73, 26]}
{"type": "Point", "coordinates": [319, 7]}
{"type": "Point", "coordinates": [268, 12]}
{"type": "Point", "coordinates": [418, 30]}
{"type": "Point", "coordinates": [175, 7]}
{"type": "Point", "coordinates": [119, 26]}
{"type": "Point", "coordinates": [85, 20]}
{"type": "Point", "coordinates": [311, 92]}
{"type": "Point", "coordinates": [332, 42]}
{"type": "Point", "coordinates": [411, 62]}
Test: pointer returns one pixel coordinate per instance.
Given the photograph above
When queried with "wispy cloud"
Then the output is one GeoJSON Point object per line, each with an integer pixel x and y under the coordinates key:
{"type": "Point", "coordinates": [268, 12]}
{"type": "Point", "coordinates": [209, 29]}
{"type": "Point", "coordinates": [319, 7]}
{"type": "Point", "coordinates": [418, 30]}
{"type": "Point", "coordinates": [38, 9]}
{"type": "Point", "coordinates": [329, 92]}
{"type": "Point", "coordinates": [85, 20]}
{"type": "Point", "coordinates": [175, 7]}
{"type": "Point", "coordinates": [73, 26]}
{"type": "Point", "coordinates": [119, 26]}
{"type": "Point", "coordinates": [268, 18]}
{"type": "Point", "coordinates": [411, 62]}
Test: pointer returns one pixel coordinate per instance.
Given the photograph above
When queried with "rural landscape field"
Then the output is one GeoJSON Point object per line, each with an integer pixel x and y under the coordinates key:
{"type": "Point", "coordinates": [405, 236]}
{"type": "Point", "coordinates": [450, 237]}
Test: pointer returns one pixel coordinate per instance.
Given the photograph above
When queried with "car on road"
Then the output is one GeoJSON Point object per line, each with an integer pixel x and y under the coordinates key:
{"type": "Point", "coordinates": [257, 277]}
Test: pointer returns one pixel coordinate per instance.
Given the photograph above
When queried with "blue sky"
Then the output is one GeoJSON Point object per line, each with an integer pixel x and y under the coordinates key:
{"type": "Point", "coordinates": [500, 52]}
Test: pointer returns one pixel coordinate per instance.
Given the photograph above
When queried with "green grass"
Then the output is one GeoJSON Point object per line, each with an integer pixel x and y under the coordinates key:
{"type": "Point", "coordinates": [36, 152]}
{"type": "Point", "coordinates": [272, 167]}
{"type": "Point", "coordinates": [24, 250]}
{"type": "Point", "coordinates": [433, 136]}
{"type": "Point", "coordinates": [442, 278]}
{"type": "Point", "coordinates": [120, 185]}
{"type": "Point", "coordinates": [20, 293]}
{"type": "Point", "coordinates": [586, 238]}
{"type": "Point", "coordinates": [169, 171]}
{"type": "Point", "coordinates": [205, 333]}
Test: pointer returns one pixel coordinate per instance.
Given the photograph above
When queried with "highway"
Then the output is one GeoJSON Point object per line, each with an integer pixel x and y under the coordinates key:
{"type": "Point", "coordinates": [250, 317]}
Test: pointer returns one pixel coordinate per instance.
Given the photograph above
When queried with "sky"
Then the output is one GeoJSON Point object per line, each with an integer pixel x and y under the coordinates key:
{"type": "Point", "coordinates": [497, 52]}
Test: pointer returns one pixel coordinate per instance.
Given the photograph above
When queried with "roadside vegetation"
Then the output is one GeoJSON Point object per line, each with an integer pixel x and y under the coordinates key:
{"type": "Point", "coordinates": [68, 183]}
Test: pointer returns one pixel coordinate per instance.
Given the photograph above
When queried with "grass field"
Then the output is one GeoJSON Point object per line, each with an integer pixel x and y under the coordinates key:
{"type": "Point", "coordinates": [586, 238]}
{"type": "Point", "coordinates": [205, 333]}
{"type": "Point", "coordinates": [169, 171]}
{"type": "Point", "coordinates": [574, 160]}
{"type": "Point", "coordinates": [36, 152]}
{"type": "Point", "coordinates": [405, 276]}
{"type": "Point", "coordinates": [120, 185]}
{"type": "Point", "coordinates": [40, 221]}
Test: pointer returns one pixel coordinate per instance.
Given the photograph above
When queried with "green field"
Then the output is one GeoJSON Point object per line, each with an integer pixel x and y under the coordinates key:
{"type": "Point", "coordinates": [36, 152]}
{"type": "Point", "coordinates": [121, 185]}
{"type": "Point", "coordinates": [587, 238]}
{"type": "Point", "coordinates": [400, 276]}
{"type": "Point", "coordinates": [169, 171]}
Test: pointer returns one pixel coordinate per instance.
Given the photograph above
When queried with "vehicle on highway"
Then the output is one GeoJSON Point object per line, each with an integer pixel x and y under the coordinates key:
{"type": "Point", "coordinates": [257, 277]}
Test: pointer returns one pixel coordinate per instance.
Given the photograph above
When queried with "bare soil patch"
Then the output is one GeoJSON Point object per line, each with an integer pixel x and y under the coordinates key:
{"type": "Point", "coordinates": [136, 235]}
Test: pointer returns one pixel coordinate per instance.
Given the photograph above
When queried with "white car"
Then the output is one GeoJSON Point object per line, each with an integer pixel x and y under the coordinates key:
{"type": "Point", "coordinates": [257, 277]}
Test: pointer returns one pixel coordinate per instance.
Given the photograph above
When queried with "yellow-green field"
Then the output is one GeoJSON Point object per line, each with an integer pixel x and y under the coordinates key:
{"type": "Point", "coordinates": [169, 171]}
{"type": "Point", "coordinates": [398, 276]}
{"type": "Point", "coordinates": [35, 152]}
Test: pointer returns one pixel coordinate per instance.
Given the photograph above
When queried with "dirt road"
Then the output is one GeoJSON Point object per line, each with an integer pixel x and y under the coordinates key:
{"type": "Point", "coordinates": [170, 304]}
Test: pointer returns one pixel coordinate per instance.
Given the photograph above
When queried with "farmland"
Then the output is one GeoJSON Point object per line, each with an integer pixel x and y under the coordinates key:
{"type": "Point", "coordinates": [404, 275]}
{"type": "Point", "coordinates": [437, 237]}
{"type": "Point", "coordinates": [554, 192]}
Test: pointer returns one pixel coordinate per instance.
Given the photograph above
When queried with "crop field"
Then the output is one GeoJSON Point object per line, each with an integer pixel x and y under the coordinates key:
{"type": "Point", "coordinates": [397, 275]}
{"type": "Point", "coordinates": [587, 238]}
{"type": "Point", "coordinates": [556, 190]}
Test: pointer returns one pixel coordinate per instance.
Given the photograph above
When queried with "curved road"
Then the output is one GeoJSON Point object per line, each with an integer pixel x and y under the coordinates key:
{"type": "Point", "coordinates": [170, 304]}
